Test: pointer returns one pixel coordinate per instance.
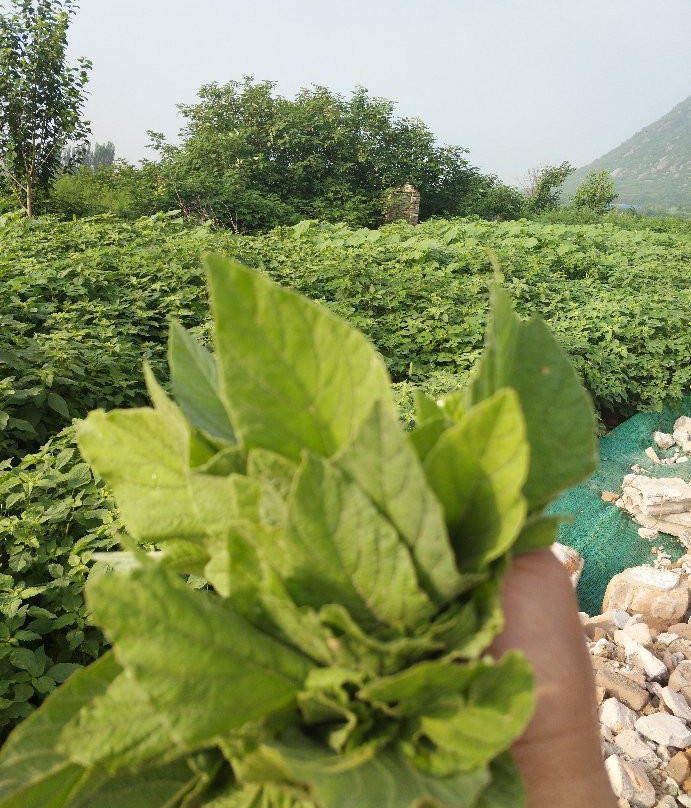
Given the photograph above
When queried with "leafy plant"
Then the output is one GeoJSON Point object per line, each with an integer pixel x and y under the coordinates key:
{"type": "Point", "coordinates": [545, 184]}
{"type": "Point", "coordinates": [596, 192]}
{"type": "Point", "coordinates": [350, 573]}
{"type": "Point", "coordinates": [41, 96]}
{"type": "Point", "coordinates": [53, 517]}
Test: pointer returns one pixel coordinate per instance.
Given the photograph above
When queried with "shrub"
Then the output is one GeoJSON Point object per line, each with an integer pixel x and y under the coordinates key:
{"type": "Point", "coordinates": [53, 517]}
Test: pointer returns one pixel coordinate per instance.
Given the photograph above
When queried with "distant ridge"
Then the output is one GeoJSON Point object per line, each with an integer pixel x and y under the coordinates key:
{"type": "Point", "coordinates": [652, 169]}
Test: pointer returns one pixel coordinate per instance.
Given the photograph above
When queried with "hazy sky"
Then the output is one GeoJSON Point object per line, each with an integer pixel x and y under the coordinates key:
{"type": "Point", "coordinates": [518, 82]}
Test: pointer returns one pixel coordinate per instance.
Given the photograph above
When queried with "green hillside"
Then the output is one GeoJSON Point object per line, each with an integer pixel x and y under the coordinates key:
{"type": "Point", "coordinates": [652, 169]}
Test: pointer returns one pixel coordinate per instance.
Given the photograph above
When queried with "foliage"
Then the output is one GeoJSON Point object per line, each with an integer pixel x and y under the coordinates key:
{"type": "Point", "coordinates": [545, 185]}
{"type": "Point", "coordinates": [120, 189]}
{"type": "Point", "coordinates": [352, 572]}
{"type": "Point", "coordinates": [495, 200]}
{"type": "Point", "coordinates": [41, 96]}
{"type": "Point", "coordinates": [86, 299]}
{"type": "Point", "coordinates": [617, 298]}
{"type": "Point", "coordinates": [96, 156]}
{"type": "Point", "coordinates": [251, 159]}
{"type": "Point", "coordinates": [596, 192]}
{"type": "Point", "coordinates": [82, 303]}
{"type": "Point", "coordinates": [53, 516]}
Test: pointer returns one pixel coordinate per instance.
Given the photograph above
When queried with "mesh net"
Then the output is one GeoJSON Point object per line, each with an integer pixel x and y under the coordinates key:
{"type": "Point", "coordinates": [606, 536]}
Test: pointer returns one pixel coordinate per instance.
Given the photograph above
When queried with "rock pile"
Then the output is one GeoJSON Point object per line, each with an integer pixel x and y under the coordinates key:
{"type": "Point", "coordinates": [660, 504]}
{"type": "Point", "coordinates": [640, 648]}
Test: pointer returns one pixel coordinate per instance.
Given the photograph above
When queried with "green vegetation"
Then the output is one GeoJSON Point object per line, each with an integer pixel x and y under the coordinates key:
{"type": "Point", "coordinates": [352, 572]}
{"type": "Point", "coordinates": [545, 187]}
{"type": "Point", "coordinates": [87, 300]}
{"type": "Point", "coordinates": [596, 193]}
{"type": "Point", "coordinates": [652, 169]}
{"type": "Point", "coordinates": [41, 96]}
{"type": "Point", "coordinates": [54, 516]}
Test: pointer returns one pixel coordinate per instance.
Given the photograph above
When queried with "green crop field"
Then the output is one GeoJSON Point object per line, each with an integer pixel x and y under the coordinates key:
{"type": "Point", "coordinates": [84, 302]}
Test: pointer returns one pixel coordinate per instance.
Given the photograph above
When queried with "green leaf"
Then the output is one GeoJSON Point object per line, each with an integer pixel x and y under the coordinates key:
{"type": "Point", "coordinates": [384, 465]}
{"type": "Point", "coordinates": [194, 383]}
{"type": "Point", "coordinates": [425, 409]}
{"type": "Point", "coordinates": [475, 727]}
{"type": "Point", "coordinates": [154, 788]}
{"type": "Point", "coordinates": [559, 417]}
{"type": "Point", "coordinates": [226, 672]}
{"type": "Point", "coordinates": [134, 451]}
{"type": "Point", "coordinates": [385, 780]}
{"type": "Point", "coordinates": [424, 438]}
{"type": "Point", "coordinates": [340, 549]}
{"type": "Point", "coordinates": [506, 788]}
{"type": "Point", "coordinates": [477, 469]}
{"type": "Point", "coordinates": [57, 402]}
{"type": "Point", "coordinates": [118, 728]}
{"type": "Point", "coordinates": [295, 376]}
{"type": "Point", "coordinates": [63, 670]}
{"type": "Point", "coordinates": [33, 773]}
{"type": "Point", "coordinates": [538, 531]}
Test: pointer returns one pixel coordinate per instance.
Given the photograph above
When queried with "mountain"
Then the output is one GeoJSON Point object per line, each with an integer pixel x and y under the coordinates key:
{"type": "Point", "coordinates": [652, 169]}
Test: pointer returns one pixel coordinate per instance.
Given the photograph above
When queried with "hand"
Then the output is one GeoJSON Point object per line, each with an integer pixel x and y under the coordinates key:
{"type": "Point", "coordinates": [559, 753]}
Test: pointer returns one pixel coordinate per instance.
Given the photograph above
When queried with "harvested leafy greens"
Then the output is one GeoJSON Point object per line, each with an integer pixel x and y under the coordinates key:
{"type": "Point", "coordinates": [310, 633]}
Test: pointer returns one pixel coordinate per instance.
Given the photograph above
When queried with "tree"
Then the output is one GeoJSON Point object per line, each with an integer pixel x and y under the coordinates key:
{"type": "Point", "coordinates": [252, 159]}
{"type": "Point", "coordinates": [596, 192]}
{"type": "Point", "coordinates": [41, 96]}
{"type": "Point", "coordinates": [544, 185]}
{"type": "Point", "coordinates": [100, 155]}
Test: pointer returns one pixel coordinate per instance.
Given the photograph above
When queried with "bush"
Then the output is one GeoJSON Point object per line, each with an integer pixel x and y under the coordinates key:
{"type": "Point", "coordinates": [120, 189]}
{"type": "Point", "coordinates": [84, 302]}
{"type": "Point", "coordinates": [53, 517]}
{"type": "Point", "coordinates": [595, 193]}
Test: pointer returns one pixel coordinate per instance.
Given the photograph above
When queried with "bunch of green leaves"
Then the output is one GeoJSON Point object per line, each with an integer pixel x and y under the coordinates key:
{"type": "Point", "coordinates": [346, 573]}
{"type": "Point", "coordinates": [53, 517]}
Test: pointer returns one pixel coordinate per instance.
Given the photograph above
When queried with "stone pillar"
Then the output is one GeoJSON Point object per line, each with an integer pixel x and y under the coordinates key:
{"type": "Point", "coordinates": [403, 204]}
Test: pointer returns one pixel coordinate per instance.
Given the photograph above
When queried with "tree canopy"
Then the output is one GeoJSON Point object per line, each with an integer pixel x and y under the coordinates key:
{"type": "Point", "coordinates": [41, 96]}
{"type": "Point", "coordinates": [250, 158]}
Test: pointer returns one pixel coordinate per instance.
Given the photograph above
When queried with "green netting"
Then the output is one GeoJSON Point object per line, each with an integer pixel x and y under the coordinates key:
{"type": "Point", "coordinates": [603, 534]}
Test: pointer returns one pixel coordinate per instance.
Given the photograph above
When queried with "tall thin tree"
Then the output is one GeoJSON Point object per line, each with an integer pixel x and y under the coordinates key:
{"type": "Point", "coordinates": [41, 96]}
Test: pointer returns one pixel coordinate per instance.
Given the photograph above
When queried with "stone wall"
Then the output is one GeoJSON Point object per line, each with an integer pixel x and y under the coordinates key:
{"type": "Point", "coordinates": [403, 204]}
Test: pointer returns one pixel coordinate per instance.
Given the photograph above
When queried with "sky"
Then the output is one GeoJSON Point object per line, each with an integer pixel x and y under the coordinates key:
{"type": "Point", "coordinates": [520, 83]}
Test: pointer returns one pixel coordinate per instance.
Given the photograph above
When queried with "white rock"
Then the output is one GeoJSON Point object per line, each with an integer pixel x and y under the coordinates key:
{"type": "Point", "coordinates": [571, 560]}
{"type": "Point", "coordinates": [638, 655]}
{"type": "Point", "coordinates": [652, 454]}
{"type": "Point", "coordinates": [666, 802]}
{"type": "Point", "coordinates": [639, 632]}
{"type": "Point", "coordinates": [658, 594]}
{"type": "Point", "coordinates": [630, 782]}
{"type": "Point", "coordinates": [664, 729]}
{"type": "Point", "coordinates": [664, 753]}
{"type": "Point", "coordinates": [584, 617]}
{"type": "Point", "coordinates": [632, 745]}
{"type": "Point", "coordinates": [676, 703]}
{"type": "Point", "coordinates": [616, 716]}
{"type": "Point", "coordinates": [666, 637]}
{"type": "Point", "coordinates": [602, 647]}
{"type": "Point", "coordinates": [647, 533]}
{"type": "Point", "coordinates": [682, 460]}
{"type": "Point", "coordinates": [684, 799]}
{"type": "Point", "coordinates": [663, 440]}
{"type": "Point", "coordinates": [620, 618]}
{"type": "Point", "coordinates": [682, 430]}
